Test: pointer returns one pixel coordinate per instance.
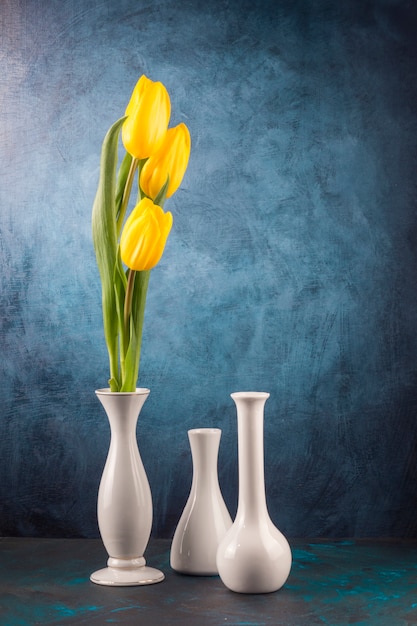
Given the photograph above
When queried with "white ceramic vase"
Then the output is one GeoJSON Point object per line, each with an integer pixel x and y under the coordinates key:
{"type": "Point", "coordinates": [205, 519]}
{"type": "Point", "coordinates": [124, 506]}
{"type": "Point", "coordinates": [254, 556]}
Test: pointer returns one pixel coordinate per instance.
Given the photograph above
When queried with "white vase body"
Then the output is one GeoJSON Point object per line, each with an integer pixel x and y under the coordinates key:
{"type": "Point", "coordinates": [205, 518]}
{"type": "Point", "coordinates": [254, 556]}
{"type": "Point", "coordinates": [124, 506]}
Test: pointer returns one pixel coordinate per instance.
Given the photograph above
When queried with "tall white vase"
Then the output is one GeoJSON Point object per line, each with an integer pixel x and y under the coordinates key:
{"type": "Point", "coordinates": [124, 507]}
{"type": "Point", "coordinates": [205, 518]}
{"type": "Point", "coordinates": [254, 556]}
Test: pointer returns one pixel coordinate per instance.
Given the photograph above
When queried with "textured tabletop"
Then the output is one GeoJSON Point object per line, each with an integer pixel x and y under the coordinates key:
{"type": "Point", "coordinates": [46, 581]}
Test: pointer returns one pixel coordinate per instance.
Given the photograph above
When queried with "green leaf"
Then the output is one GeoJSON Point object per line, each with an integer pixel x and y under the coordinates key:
{"type": "Point", "coordinates": [121, 180]}
{"type": "Point", "coordinates": [119, 283]}
{"type": "Point", "coordinates": [141, 193]}
{"type": "Point", "coordinates": [162, 194]}
{"type": "Point", "coordinates": [105, 243]}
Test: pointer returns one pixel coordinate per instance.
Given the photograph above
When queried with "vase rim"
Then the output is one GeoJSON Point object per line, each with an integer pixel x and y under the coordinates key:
{"type": "Point", "coordinates": [250, 394]}
{"type": "Point", "coordinates": [204, 431]}
{"type": "Point", "coordinates": [140, 391]}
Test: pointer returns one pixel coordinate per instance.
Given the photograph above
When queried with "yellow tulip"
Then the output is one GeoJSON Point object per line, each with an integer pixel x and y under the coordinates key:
{"type": "Point", "coordinates": [144, 236]}
{"type": "Point", "coordinates": [148, 114]}
{"type": "Point", "coordinates": [170, 160]}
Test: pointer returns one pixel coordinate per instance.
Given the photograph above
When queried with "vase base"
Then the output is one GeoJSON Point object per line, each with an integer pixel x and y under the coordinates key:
{"type": "Point", "coordinates": [123, 577]}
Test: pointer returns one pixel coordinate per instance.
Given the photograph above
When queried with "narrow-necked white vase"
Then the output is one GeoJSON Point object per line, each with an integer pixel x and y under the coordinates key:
{"type": "Point", "coordinates": [205, 518]}
{"type": "Point", "coordinates": [254, 556]}
{"type": "Point", "coordinates": [124, 507]}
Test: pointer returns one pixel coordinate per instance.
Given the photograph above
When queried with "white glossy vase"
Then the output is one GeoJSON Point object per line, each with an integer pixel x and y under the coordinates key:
{"type": "Point", "coordinates": [254, 556]}
{"type": "Point", "coordinates": [124, 507]}
{"type": "Point", "coordinates": [205, 519]}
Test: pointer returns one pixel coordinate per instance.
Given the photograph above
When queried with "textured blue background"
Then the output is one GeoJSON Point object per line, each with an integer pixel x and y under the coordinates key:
{"type": "Point", "coordinates": [291, 267]}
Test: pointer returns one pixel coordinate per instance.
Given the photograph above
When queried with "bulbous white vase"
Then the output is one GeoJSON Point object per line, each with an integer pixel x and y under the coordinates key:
{"type": "Point", "coordinates": [124, 507]}
{"type": "Point", "coordinates": [205, 519]}
{"type": "Point", "coordinates": [254, 556]}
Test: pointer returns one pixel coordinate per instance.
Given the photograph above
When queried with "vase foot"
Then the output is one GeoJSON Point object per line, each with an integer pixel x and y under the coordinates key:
{"type": "Point", "coordinates": [127, 577]}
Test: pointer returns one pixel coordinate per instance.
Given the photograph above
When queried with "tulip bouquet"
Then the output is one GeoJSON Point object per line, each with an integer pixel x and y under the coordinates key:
{"type": "Point", "coordinates": [128, 246]}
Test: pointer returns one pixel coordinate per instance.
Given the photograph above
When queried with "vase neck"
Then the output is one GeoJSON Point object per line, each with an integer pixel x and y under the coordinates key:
{"type": "Point", "coordinates": [123, 410]}
{"type": "Point", "coordinates": [204, 443]}
{"type": "Point", "coordinates": [250, 413]}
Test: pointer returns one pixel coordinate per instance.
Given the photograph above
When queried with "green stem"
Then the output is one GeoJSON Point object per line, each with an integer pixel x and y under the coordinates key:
{"type": "Point", "coordinates": [114, 370]}
{"type": "Point", "coordinates": [126, 194]}
{"type": "Point", "coordinates": [128, 307]}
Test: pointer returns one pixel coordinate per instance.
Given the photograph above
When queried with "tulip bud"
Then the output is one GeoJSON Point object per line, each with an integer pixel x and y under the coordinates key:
{"type": "Point", "coordinates": [170, 160]}
{"type": "Point", "coordinates": [144, 236]}
{"type": "Point", "coordinates": [148, 114]}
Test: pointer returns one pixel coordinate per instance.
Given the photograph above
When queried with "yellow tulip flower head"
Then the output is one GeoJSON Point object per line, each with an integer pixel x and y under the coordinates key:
{"type": "Point", "coordinates": [144, 236]}
{"type": "Point", "coordinates": [170, 160]}
{"type": "Point", "coordinates": [148, 114]}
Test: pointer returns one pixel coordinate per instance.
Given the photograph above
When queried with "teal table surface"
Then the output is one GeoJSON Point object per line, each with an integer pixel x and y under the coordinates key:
{"type": "Point", "coordinates": [366, 582]}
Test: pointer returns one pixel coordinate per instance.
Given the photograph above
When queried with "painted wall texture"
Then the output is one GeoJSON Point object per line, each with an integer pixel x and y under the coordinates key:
{"type": "Point", "coordinates": [291, 267]}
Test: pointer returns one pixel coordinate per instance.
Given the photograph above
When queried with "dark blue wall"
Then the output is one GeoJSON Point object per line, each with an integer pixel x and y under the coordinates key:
{"type": "Point", "coordinates": [291, 267]}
